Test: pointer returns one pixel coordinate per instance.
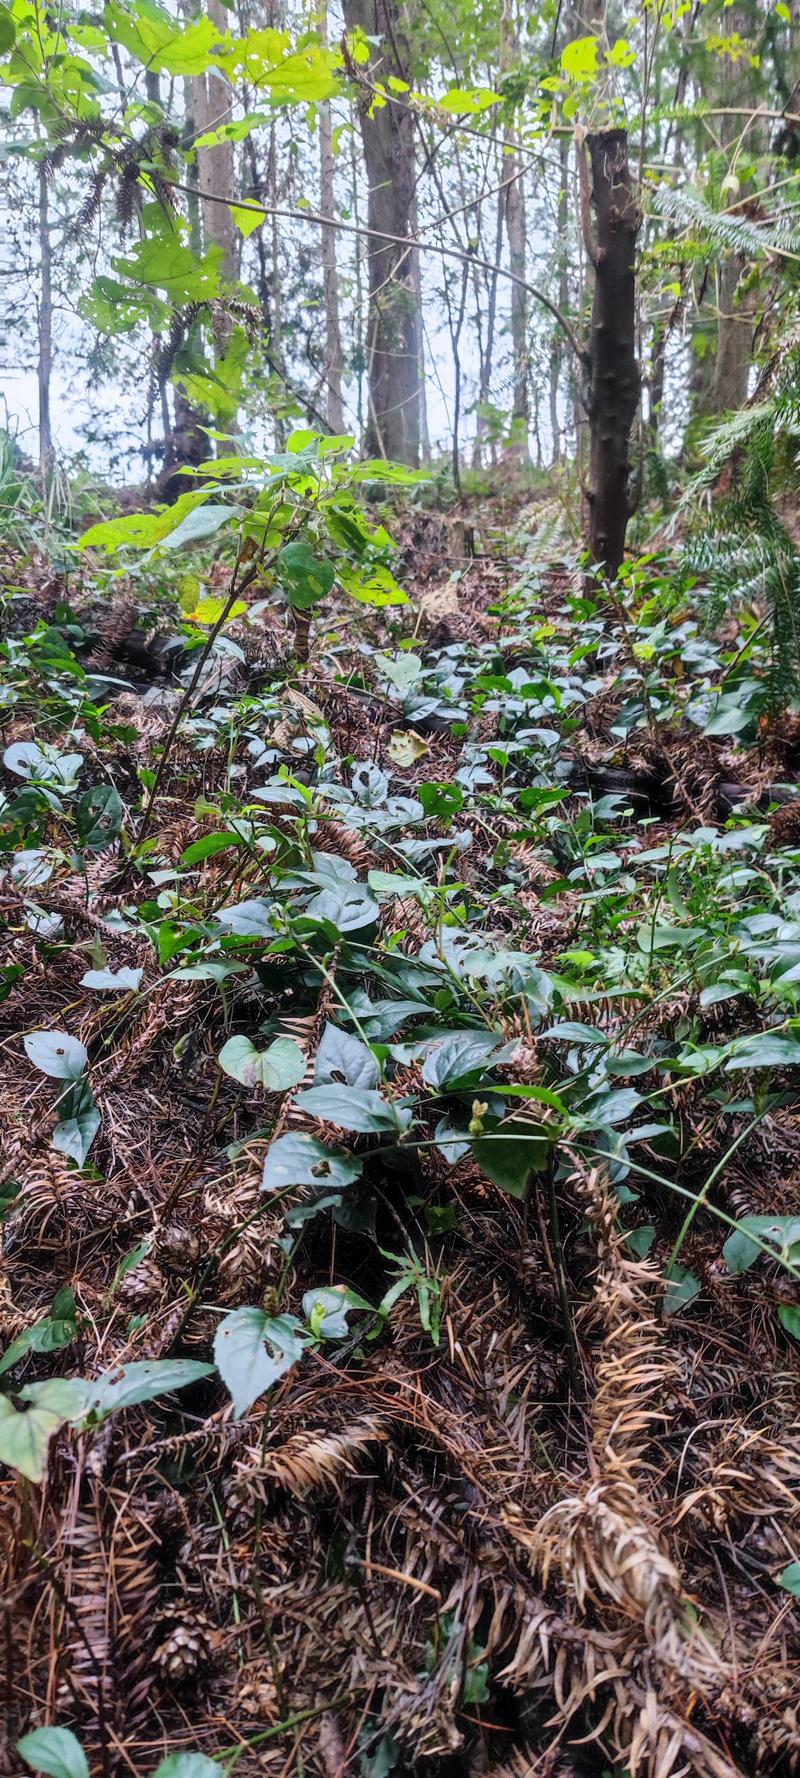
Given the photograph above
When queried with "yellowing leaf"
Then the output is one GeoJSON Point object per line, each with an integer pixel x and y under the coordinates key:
{"type": "Point", "coordinates": [247, 221]}
{"type": "Point", "coordinates": [406, 748]}
{"type": "Point", "coordinates": [579, 59]}
{"type": "Point", "coordinates": [209, 611]}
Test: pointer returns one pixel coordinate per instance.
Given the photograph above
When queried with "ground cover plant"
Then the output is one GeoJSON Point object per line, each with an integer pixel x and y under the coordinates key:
{"type": "Point", "coordinates": [400, 900]}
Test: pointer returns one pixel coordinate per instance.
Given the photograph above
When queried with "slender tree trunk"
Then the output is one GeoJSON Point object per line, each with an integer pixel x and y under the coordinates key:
{"type": "Point", "coordinates": [613, 391]}
{"type": "Point", "coordinates": [393, 346]}
{"type": "Point", "coordinates": [334, 407]}
{"type": "Point", "coordinates": [557, 348]}
{"type": "Point", "coordinates": [516, 231]}
{"type": "Point", "coordinates": [485, 388]}
{"type": "Point", "coordinates": [45, 365]}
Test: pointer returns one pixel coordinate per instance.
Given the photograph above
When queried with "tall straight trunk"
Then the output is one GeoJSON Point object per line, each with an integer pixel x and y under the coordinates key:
{"type": "Point", "coordinates": [45, 365]}
{"type": "Point", "coordinates": [393, 342]}
{"type": "Point", "coordinates": [724, 388]}
{"type": "Point", "coordinates": [213, 106]}
{"type": "Point", "coordinates": [334, 407]}
{"type": "Point", "coordinates": [613, 373]}
{"type": "Point", "coordinates": [516, 232]}
{"type": "Point", "coordinates": [557, 348]}
{"type": "Point", "coordinates": [482, 431]}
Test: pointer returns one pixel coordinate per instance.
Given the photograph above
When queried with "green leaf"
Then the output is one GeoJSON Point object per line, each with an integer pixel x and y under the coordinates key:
{"type": "Point", "coordinates": [189, 1765]}
{"type": "Point", "coordinates": [49, 1335]}
{"type": "Point", "coordinates": [306, 579]}
{"type": "Point", "coordinates": [25, 1433]}
{"type": "Point", "coordinates": [126, 1385]}
{"type": "Point", "coordinates": [204, 522]}
{"type": "Point", "coordinates": [371, 586]}
{"type": "Point", "coordinates": [579, 59]}
{"type": "Point", "coordinates": [244, 1363]}
{"type": "Point", "coordinates": [790, 1579]}
{"type": "Point", "coordinates": [56, 1053]}
{"type": "Point", "coordinates": [301, 1160]}
{"type": "Point", "coordinates": [764, 1049]}
{"type": "Point", "coordinates": [789, 1318]}
{"type": "Point", "coordinates": [509, 1158]}
{"type": "Point", "coordinates": [467, 102]}
{"type": "Point", "coordinates": [115, 981]}
{"type": "Point", "coordinates": [740, 1253]}
{"type": "Point", "coordinates": [326, 1310]}
{"type": "Point", "coordinates": [8, 30]}
{"type": "Point", "coordinates": [463, 1056]}
{"type": "Point", "coordinates": [250, 919]}
{"type": "Point", "coordinates": [341, 1057]}
{"type": "Point", "coordinates": [209, 846]}
{"type": "Point", "coordinates": [247, 220]}
{"type": "Point", "coordinates": [354, 1108]}
{"type": "Point", "coordinates": [99, 816]}
{"type": "Point", "coordinates": [55, 1751]}
{"type": "Point", "coordinates": [682, 1288]}
{"type": "Point", "coordinates": [278, 1068]}
{"type": "Point", "coordinates": [441, 800]}
{"type": "Point", "coordinates": [80, 1122]}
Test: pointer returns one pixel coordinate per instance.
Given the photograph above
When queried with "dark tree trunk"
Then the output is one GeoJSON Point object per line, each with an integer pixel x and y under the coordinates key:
{"type": "Point", "coordinates": [613, 373]}
{"type": "Point", "coordinates": [393, 337]}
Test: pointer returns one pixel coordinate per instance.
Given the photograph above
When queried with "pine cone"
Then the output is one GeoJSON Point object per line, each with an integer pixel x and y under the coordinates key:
{"type": "Point", "coordinates": [784, 825]}
{"type": "Point", "coordinates": [178, 1247]}
{"type": "Point", "coordinates": [186, 1649]}
{"type": "Point", "coordinates": [142, 1286]}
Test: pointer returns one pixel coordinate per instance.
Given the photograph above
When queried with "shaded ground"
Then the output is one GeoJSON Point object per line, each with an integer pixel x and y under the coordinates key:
{"type": "Point", "coordinates": [552, 1541]}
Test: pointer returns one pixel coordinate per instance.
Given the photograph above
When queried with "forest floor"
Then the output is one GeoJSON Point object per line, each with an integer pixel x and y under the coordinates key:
{"type": "Point", "coordinates": [522, 1497]}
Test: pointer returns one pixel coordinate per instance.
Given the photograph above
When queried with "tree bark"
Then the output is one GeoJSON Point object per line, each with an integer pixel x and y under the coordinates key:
{"type": "Point", "coordinates": [516, 233]}
{"type": "Point", "coordinates": [393, 334]}
{"type": "Point", "coordinates": [613, 391]}
{"type": "Point", "coordinates": [334, 407]}
{"type": "Point", "coordinates": [45, 364]}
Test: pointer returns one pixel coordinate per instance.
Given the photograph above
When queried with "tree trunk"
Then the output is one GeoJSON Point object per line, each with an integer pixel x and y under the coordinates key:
{"type": "Point", "coordinates": [613, 391]}
{"type": "Point", "coordinates": [45, 365]}
{"type": "Point", "coordinates": [334, 407]}
{"type": "Point", "coordinates": [516, 232]}
{"type": "Point", "coordinates": [213, 105]}
{"type": "Point", "coordinates": [734, 340]}
{"type": "Point", "coordinates": [393, 342]}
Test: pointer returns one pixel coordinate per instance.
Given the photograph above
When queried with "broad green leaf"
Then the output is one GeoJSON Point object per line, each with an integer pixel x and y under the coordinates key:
{"type": "Point", "coordinates": [8, 30]}
{"type": "Point", "coordinates": [682, 1288]}
{"type": "Point", "coordinates": [246, 220]}
{"type": "Point", "coordinates": [209, 846]}
{"type": "Point", "coordinates": [343, 1058]}
{"type": "Point", "coordinates": [354, 1108]}
{"type": "Point", "coordinates": [510, 1157]}
{"type": "Point", "coordinates": [463, 1056]}
{"type": "Point", "coordinates": [57, 1054]}
{"type": "Point", "coordinates": [301, 1160]}
{"type": "Point", "coordinates": [55, 1751]}
{"type": "Point", "coordinates": [80, 1121]}
{"type": "Point", "coordinates": [278, 1068]}
{"type": "Point", "coordinates": [114, 981]}
{"type": "Point", "coordinates": [790, 1579]}
{"type": "Point", "coordinates": [467, 102]}
{"type": "Point", "coordinates": [189, 1765]}
{"type": "Point", "coordinates": [249, 919]}
{"type": "Point", "coordinates": [326, 1310]}
{"type": "Point", "coordinates": [205, 522]}
{"type": "Point", "coordinates": [142, 530]}
{"type": "Point", "coordinates": [252, 1350]}
{"type": "Point", "coordinates": [209, 611]}
{"type": "Point", "coordinates": [789, 1318]}
{"type": "Point", "coordinates": [126, 1385]}
{"type": "Point", "coordinates": [25, 1433]}
{"type": "Point", "coordinates": [99, 816]}
{"type": "Point", "coordinates": [371, 586]}
{"type": "Point", "coordinates": [579, 59]}
{"type": "Point", "coordinates": [306, 577]}
{"type": "Point", "coordinates": [764, 1049]}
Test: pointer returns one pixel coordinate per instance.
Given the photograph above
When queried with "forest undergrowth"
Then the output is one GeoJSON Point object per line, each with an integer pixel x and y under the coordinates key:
{"type": "Point", "coordinates": [399, 1296]}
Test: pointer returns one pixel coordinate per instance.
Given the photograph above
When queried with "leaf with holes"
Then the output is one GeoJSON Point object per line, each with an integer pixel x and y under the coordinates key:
{"type": "Point", "coordinates": [341, 1057]}
{"type": "Point", "coordinates": [302, 1160]}
{"type": "Point", "coordinates": [99, 816]}
{"type": "Point", "coordinates": [25, 1433]}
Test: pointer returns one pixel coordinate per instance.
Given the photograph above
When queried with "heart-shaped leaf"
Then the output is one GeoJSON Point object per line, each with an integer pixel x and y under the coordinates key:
{"type": "Point", "coordinates": [25, 1433]}
{"type": "Point", "coordinates": [253, 1350]}
{"type": "Point", "coordinates": [278, 1068]}
{"type": "Point", "coordinates": [56, 1053]}
{"type": "Point", "coordinates": [302, 1160]}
